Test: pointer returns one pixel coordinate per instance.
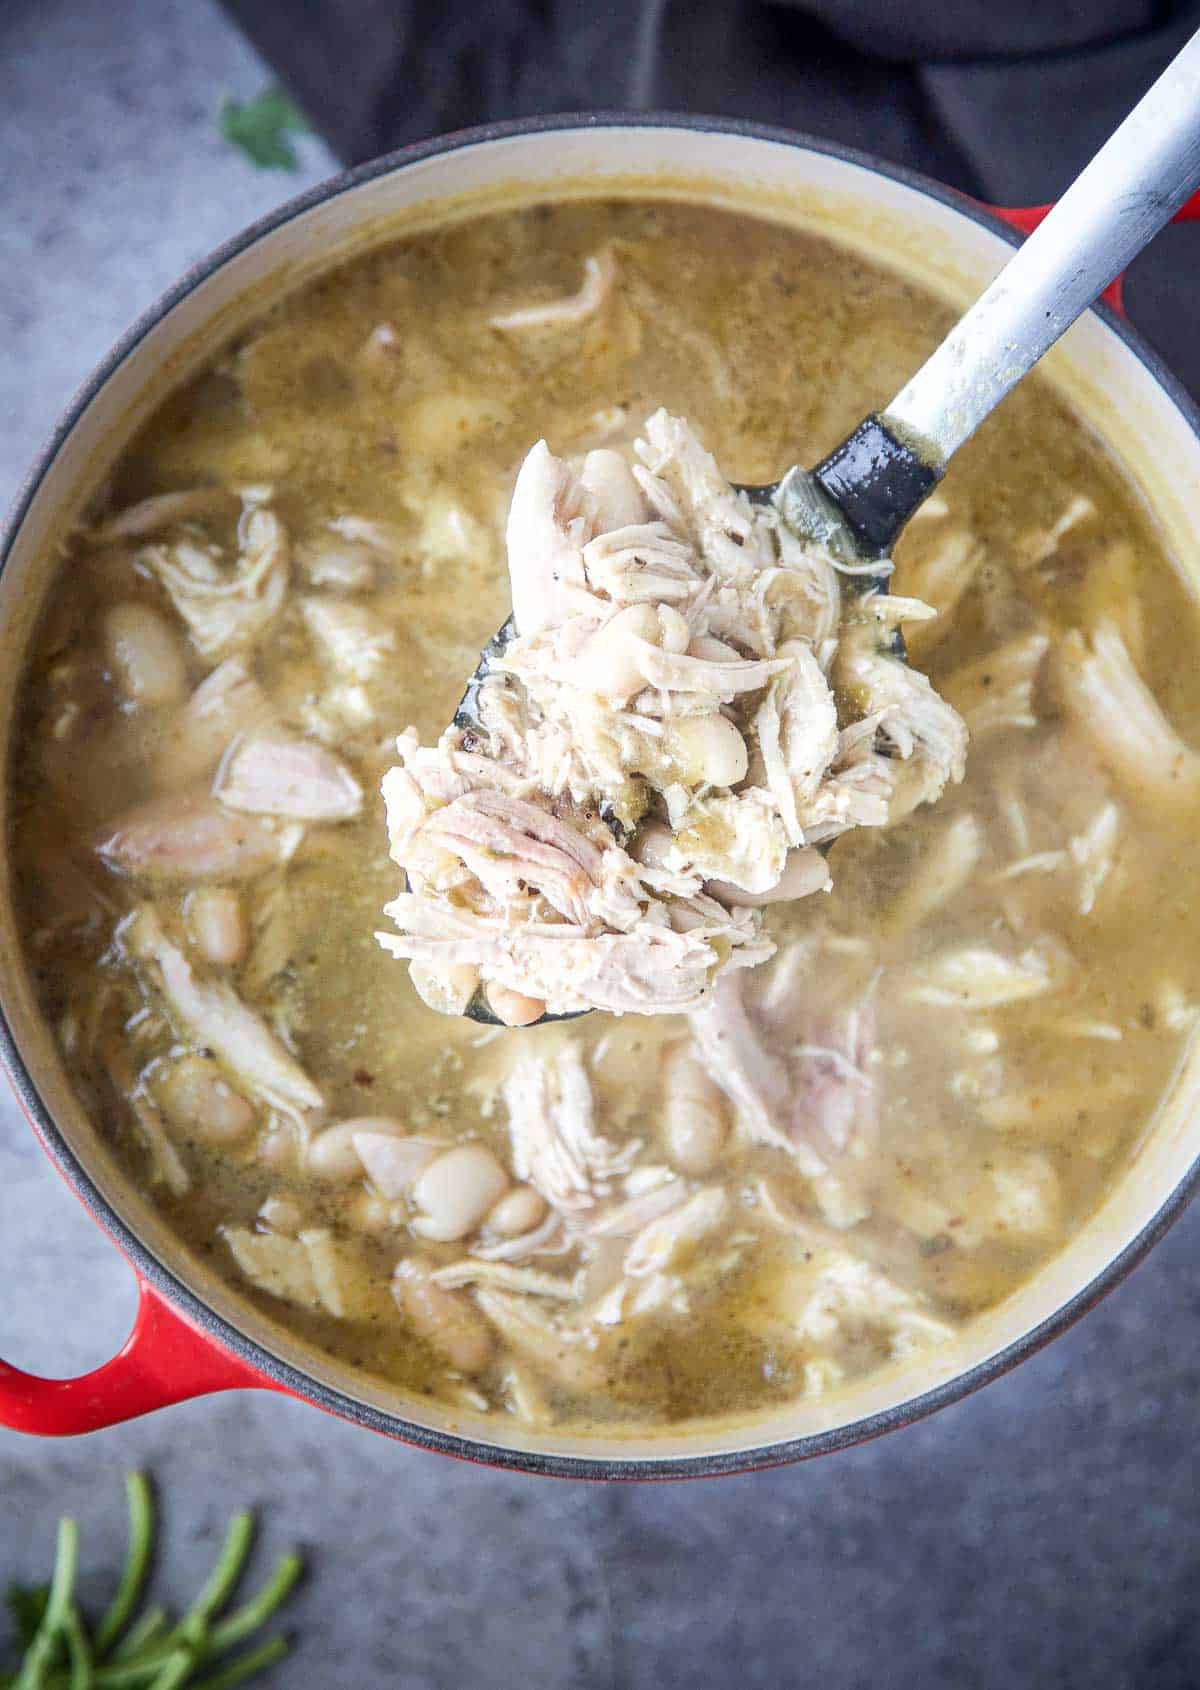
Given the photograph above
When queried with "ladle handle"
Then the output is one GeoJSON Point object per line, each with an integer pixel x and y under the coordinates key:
{"type": "Point", "coordinates": [1131, 188]}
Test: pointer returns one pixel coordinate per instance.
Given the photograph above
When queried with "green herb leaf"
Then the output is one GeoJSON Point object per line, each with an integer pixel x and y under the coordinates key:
{"type": "Point", "coordinates": [146, 1652]}
{"type": "Point", "coordinates": [247, 1665]}
{"type": "Point", "coordinates": [27, 1603]}
{"type": "Point", "coordinates": [140, 1503]}
{"type": "Point", "coordinates": [48, 1640]}
{"type": "Point", "coordinates": [260, 127]}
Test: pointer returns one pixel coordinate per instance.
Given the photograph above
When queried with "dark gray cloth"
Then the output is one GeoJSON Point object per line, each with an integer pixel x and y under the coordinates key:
{"type": "Point", "coordinates": [1004, 99]}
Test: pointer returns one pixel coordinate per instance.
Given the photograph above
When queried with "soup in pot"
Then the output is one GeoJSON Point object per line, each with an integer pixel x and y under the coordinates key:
{"type": "Point", "coordinates": [843, 1153]}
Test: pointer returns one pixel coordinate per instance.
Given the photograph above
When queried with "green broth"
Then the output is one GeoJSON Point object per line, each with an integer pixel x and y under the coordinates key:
{"type": "Point", "coordinates": [774, 343]}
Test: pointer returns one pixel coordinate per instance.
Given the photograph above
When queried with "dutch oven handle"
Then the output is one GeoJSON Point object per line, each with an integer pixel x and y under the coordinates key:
{"type": "Point", "coordinates": [164, 1360]}
{"type": "Point", "coordinates": [1027, 217]}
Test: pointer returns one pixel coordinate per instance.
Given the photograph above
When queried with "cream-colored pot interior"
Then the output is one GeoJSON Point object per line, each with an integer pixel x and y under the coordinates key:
{"type": "Point", "coordinates": [939, 246]}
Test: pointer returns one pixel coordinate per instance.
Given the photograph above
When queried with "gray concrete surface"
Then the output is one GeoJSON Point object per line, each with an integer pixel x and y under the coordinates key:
{"type": "Point", "coordinates": [1044, 1533]}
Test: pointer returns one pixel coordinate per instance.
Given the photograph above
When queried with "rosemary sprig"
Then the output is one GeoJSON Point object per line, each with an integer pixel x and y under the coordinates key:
{"type": "Point", "coordinates": [140, 1501]}
{"type": "Point", "coordinates": [150, 1651]}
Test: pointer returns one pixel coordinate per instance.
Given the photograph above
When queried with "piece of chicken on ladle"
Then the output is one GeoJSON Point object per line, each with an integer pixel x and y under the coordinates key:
{"type": "Point", "coordinates": [690, 700]}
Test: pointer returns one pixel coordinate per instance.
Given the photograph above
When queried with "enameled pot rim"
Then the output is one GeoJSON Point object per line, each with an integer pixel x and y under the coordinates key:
{"type": "Point", "coordinates": [160, 1277]}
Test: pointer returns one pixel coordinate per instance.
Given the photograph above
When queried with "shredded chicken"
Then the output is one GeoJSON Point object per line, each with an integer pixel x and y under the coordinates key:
{"type": "Point", "coordinates": [228, 702]}
{"type": "Point", "coordinates": [163, 510]}
{"type": "Point", "coordinates": [944, 867]}
{"type": "Point", "coordinates": [664, 1242]}
{"type": "Point", "coordinates": [567, 1354]}
{"type": "Point", "coordinates": [210, 1013]}
{"type": "Point", "coordinates": [1038, 544]}
{"type": "Point", "coordinates": [669, 674]}
{"type": "Point", "coordinates": [290, 778]}
{"type": "Point", "coordinates": [829, 1295]}
{"type": "Point", "coordinates": [1050, 1112]}
{"type": "Point", "coordinates": [166, 1164]}
{"type": "Point", "coordinates": [530, 1281]}
{"type": "Point", "coordinates": [555, 1145]}
{"type": "Point", "coordinates": [1117, 714]}
{"type": "Point", "coordinates": [816, 1098]}
{"type": "Point", "coordinates": [393, 1165]}
{"type": "Point", "coordinates": [925, 736]}
{"type": "Point", "coordinates": [304, 1270]}
{"type": "Point", "coordinates": [981, 977]}
{"type": "Point", "coordinates": [1094, 853]}
{"type": "Point", "coordinates": [179, 841]}
{"type": "Point", "coordinates": [226, 610]}
{"type": "Point", "coordinates": [599, 276]}
{"type": "Point", "coordinates": [625, 1219]}
{"type": "Point", "coordinates": [350, 639]}
{"type": "Point", "coordinates": [941, 580]}
{"type": "Point", "coordinates": [548, 1239]}
{"type": "Point", "coordinates": [996, 691]}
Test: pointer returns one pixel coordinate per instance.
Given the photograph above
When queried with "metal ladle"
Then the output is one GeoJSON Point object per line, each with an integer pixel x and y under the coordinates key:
{"type": "Point", "coordinates": [857, 500]}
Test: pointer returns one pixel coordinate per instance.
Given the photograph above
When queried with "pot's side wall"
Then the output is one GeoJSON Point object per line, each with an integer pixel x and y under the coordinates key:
{"type": "Point", "coordinates": [933, 242]}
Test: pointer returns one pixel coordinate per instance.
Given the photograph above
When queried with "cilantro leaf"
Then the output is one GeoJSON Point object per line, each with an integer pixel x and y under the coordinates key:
{"type": "Point", "coordinates": [27, 1603]}
{"type": "Point", "coordinates": [259, 128]}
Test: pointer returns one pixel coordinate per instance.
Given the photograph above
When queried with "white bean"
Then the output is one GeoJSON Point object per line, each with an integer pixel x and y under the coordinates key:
{"type": "Point", "coordinates": [447, 1320]}
{"type": "Point", "coordinates": [653, 842]}
{"type": "Point", "coordinates": [457, 1191]}
{"type": "Point", "coordinates": [448, 989]}
{"type": "Point", "coordinates": [517, 1212]}
{"type": "Point", "coordinates": [513, 1008]}
{"type": "Point", "coordinates": [281, 1214]}
{"type": "Point", "coordinates": [673, 630]}
{"type": "Point", "coordinates": [218, 924]}
{"type": "Point", "coordinates": [608, 662]}
{"type": "Point", "coordinates": [393, 1165]}
{"type": "Point", "coordinates": [715, 650]}
{"type": "Point", "coordinates": [609, 479]}
{"type": "Point", "coordinates": [373, 1215]}
{"type": "Point", "coordinates": [707, 749]}
{"type": "Point", "coordinates": [331, 1154]}
{"type": "Point", "coordinates": [804, 871]}
{"type": "Point", "coordinates": [277, 1150]}
{"type": "Point", "coordinates": [197, 1098]}
{"type": "Point", "coordinates": [694, 1114]}
{"type": "Point", "coordinates": [144, 655]}
{"type": "Point", "coordinates": [442, 422]}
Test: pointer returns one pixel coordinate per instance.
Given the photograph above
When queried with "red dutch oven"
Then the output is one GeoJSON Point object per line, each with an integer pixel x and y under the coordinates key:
{"type": "Point", "coordinates": [193, 1333]}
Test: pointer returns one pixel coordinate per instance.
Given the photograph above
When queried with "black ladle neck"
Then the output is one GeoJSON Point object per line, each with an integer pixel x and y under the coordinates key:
{"type": "Point", "coordinates": [877, 480]}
